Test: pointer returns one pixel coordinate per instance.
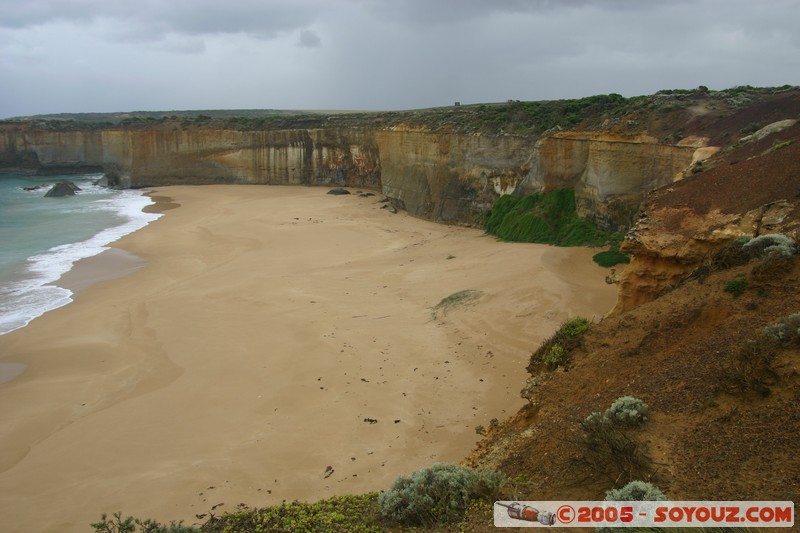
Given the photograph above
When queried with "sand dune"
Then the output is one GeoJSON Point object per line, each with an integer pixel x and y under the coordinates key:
{"type": "Point", "coordinates": [243, 358]}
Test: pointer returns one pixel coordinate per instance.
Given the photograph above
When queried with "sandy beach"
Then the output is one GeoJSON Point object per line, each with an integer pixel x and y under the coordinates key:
{"type": "Point", "coordinates": [254, 331]}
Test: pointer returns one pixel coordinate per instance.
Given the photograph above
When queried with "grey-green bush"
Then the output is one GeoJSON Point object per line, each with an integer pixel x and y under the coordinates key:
{"type": "Point", "coordinates": [764, 245]}
{"type": "Point", "coordinates": [627, 411]}
{"type": "Point", "coordinates": [438, 494]}
{"type": "Point", "coordinates": [785, 332]}
{"type": "Point", "coordinates": [595, 424]}
{"type": "Point", "coordinates": [636, 491]}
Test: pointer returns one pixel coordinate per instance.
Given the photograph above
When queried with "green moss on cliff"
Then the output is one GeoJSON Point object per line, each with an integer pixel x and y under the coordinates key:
{"type": "Point", "coordinates": [548, 218]}
{"type": "Point", "coordinates": [611, 257]}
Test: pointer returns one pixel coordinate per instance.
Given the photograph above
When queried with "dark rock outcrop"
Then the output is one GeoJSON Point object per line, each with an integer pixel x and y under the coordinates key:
{"type": "Point", "coordinates": [338, 191]}
{"type": "Point", "coordinates": [62, 188]}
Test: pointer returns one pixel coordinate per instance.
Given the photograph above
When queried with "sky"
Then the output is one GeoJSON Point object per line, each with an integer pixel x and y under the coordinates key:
{"type": "Point", "coordinates": [69, 56]}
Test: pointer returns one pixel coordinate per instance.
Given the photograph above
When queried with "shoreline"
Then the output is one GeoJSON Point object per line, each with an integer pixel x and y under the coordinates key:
{"type": "Point", "coordinates": [114, 262]}
{"type": "Point", "coordinates": [243, 359]}
{"type": "Point", "coordinates": [49, 278]}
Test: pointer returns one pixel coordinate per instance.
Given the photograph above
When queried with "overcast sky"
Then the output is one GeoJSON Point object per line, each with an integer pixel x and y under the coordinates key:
{"type": "Point", "coordinates": [127, 55]}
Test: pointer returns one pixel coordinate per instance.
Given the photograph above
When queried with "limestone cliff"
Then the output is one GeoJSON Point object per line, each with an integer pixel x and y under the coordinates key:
{"type": "Point", "coordinates": [448, 164]}
{"type": "Point", "coordinates": [450, 177]}
{"type": "Point", "coordinates": [46, 152]}
{"type": "Point", "coordinates": [442, 175]}
{"type": "Point", "coordinates": [611, 173]}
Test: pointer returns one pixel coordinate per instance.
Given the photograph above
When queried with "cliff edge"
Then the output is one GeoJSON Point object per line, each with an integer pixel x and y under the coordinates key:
{"type": "Point", "coordinates": [704, 333]}
{"type": "Point", "coordinates": [446, 164]}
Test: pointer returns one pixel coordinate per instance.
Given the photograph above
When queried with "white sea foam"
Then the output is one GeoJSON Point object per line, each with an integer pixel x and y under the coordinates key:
{"type": "Point", "coordinates": [29, 298]}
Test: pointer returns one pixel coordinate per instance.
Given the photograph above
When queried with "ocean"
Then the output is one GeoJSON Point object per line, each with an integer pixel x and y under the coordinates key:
{"type": "Point", "coordinates": [41, 238]}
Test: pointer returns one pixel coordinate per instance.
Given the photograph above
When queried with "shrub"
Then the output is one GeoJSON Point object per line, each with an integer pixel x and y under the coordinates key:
{"type": "Point", "coordinates": [627, 411]}
{"type": "Point", "coordinates": [134, 525]}
{"type": "Point", "coordinates": [736, 287]}
{"type": "Point", "coordinates": [731, 255]}
{"type": "Point", "coordinates": [610, 449]}
{"type": "Point", "coordinates": [785, 332]}
{"type": "Point", "coordinates": [636, 491]}
{"type": "Point", "coordinates": [764, 245]}
{"type": "Point", "coordinates": [773, 265]}
{"type": "Point", "coordinates": [554, 357]}
{"type": "Point", "coordinates": [595, 424]}
{"type": "Point", "coordinates": [610, 445]}
{"type": "Point", "coordinates": [775, 251]}
{"type": "Point", "coordinates": [555, 350]}
{"type": "Point", "coordinates": [750, 366]}
{"type": "Point", "coordinates": [439, 494]}
{"type": "Point", "coordinates": [573, 328]}
{"type": "Point", "coordinates": [353, 513]}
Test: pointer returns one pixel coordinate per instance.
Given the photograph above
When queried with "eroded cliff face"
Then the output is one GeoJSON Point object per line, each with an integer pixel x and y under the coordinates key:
{"type": "Point", "coordinates": [51, 151]}
{"type": "Point", "coordinates": [440, 175]}
{"type": "Point", "coordinates": [450, 177]}
{"type": "Point", "coordinates": [611, 174]}
{"type": "Point", "coordinates": [163, 156]}
{"type": "Point", "coordinates": [169, 154]}
{"type": "Point", "coordinates": [687, 223]}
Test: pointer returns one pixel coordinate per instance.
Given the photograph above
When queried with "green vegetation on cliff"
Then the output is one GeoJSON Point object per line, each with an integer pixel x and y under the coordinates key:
{"type": "Point", "coordinates": [611, 257]}
{"type": "Point", "coordinates": [549, 218]}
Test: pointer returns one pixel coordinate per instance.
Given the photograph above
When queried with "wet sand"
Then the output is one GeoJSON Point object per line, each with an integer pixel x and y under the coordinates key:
{"type": "Point", "coordinates": [254, 331]}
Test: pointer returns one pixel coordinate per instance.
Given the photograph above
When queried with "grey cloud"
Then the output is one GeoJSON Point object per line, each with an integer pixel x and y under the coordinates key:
{"type": "Point", "coordinates": [381, 53]}
{"type": "Point", "coordinates": [309, 39]}
{"type": "Point", "coordinates": [157, 17]}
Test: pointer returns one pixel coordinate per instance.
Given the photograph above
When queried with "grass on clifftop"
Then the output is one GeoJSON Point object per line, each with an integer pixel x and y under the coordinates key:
{"type": "Point", "coordinates": [550, 218]}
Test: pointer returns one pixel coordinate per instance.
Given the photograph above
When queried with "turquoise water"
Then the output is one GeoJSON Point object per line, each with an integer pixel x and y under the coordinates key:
{"type": "Point", "coordinates": [41, 238]}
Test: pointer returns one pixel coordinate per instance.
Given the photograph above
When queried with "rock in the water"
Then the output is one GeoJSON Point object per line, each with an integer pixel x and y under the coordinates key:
{"type": "Point", "coordinates": [390, 208]}
{"type": "Point", "coordinates": [338, 190]}
{"type": "Point", "coordinates": [34, 188]}
{"type": "Point", "coordinates": [62, 188]}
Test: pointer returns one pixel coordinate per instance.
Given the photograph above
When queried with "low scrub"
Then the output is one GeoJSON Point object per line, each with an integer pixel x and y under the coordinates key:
{"type": "Point", "coordinates": [555, 351]}
{"type": "Point", "coordinates": [633, 491]}
{"type": "Point", "coordinates": [627, 411]}
{"type": "Point", "coordinates": [764, 245]}
{"type": "Point", "coordinates": [610, 443]}
{"type": "Point", "coordinates": [358, 513]}
{"type": "Point", "coordinates": [774, 251]}
{"type": "Point", "coordinates": [750, 367]}
{"type": "Point", "coordinates": [731, 255]}
{"type": "Point", "coordinates": [438, 495]}
{"type": "Point", "coordinates": [636, 491]}
{"type": "Point", "coordinates": [554, 357]}
{"type": "Point", "coordinates": [117, 524]}
{"type": "Point", "coordinates": [736, 287]}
